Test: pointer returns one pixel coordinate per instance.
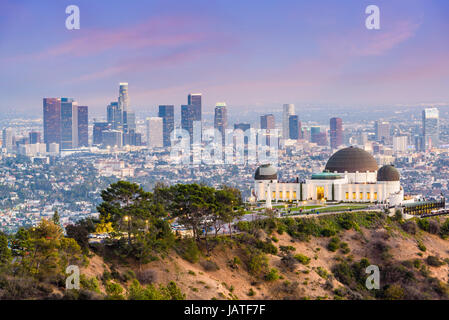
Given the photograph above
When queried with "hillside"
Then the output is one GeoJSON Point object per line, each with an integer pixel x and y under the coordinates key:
{"type": "Point", "coordinates": [142, 257]}
{"type": "Point", "coordinates": [387, 245]}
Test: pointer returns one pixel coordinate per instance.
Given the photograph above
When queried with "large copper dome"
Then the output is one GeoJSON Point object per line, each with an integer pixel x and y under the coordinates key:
{"type": "Point", "coordinates": [351, 159]}
{"type": "Point", "coordinates": [388, 173]}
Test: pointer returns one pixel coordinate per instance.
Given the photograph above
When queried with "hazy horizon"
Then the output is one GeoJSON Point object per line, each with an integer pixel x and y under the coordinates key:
{"type": "Point", "coordinates": [253, 55]}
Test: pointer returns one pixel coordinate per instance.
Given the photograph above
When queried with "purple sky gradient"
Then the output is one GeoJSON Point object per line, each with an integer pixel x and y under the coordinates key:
{"type": "Point", "coordinates": [247, 53]}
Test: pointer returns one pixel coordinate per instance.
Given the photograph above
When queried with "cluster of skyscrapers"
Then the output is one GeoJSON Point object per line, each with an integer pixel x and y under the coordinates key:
{"type": "Point", "coordinates": [120, 126]}
{"type": "Point", "coordinates": [65, 124]}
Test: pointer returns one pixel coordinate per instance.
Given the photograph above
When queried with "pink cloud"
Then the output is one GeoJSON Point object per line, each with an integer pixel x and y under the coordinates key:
{"type": "Point", "coordinates": [156, 32]}
{"type": "Point", "coordinates": [363, 42]}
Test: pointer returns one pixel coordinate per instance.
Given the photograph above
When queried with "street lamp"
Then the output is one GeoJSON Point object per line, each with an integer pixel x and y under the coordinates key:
{"type": "Point", "coordinates": [128, 219]}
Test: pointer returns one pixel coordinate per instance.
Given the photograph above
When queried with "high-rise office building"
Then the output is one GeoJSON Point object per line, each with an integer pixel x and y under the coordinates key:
{"type": "Point", "coordinates": [8, 138]}
{"type": "Point", "coordinates": [167, 113]}
{"type": "Point", "coordinates": [221, 119]}
{"type": "Point", "coordinates": [194, 99]}
{"type": "Point", "coordinates": [83, 126]}
{"type": "Point", "coordinates": [131, 120]}
{"type": "Point", "coordinates": [155, 129]}
{"type": "Point", "coordinates": [69, 123]}
{"type": "Point", "coordinates": [382, 130]}
{"type": "Point", "coordinates": [293, 127]}
{"type": "Point", "coordinates": [132, 138]}
{"type": "Point", "coordinates": [400, 144]}
{"type": "Point", "coordinates": [99, 128]}
{"type": "Point", "coordinates": [431, 128]}
{"type": "Point", "coordinates": [123, 104]}
{"type": "Point", "coordinates": [115, 116]}
{"type": "Point", "coordinates": [187, 118]}
{"type": "Point", "coordinates": [267, 123]}
{"type": "Point", "coordinates": [34, 137]}
{"type": "Point", "coordinates": [287, 111]}
{"type": "Point", "coordinates": [52, 120]}
{"type": "Point", "coordinates": [336, 132]}
{"type": "Point", "coordinates": [316, 136]}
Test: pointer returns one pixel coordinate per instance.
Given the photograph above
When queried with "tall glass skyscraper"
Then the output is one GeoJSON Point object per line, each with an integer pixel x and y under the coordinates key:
{"type": "Point", "coordinates": [69, 124]}
{"type": "Point", "coordinates": [221, 119]}
{"type": "Point", "coordinates": [293, 126]}
{"type": "Point", "coordinates": [287, 111]}
{"type": "Point", "coordinates": [194, 99]}
{"type": "Point", "coordinates": [123, 104]}
{"type": "Point", "coordinates": [83, 126]}
{"type": "Point", "coordinates": [431, 128]}
{"type": "Point", "coordinates": [336, 132]}
{"type": "Point", "coordinates": [167, 113]}
{"type": "Point", "coordinates": [187, 118]}
{"type": "Point", "coordinates": [52, 120]}
{"type": "Point", "coordinates": [115, 116]}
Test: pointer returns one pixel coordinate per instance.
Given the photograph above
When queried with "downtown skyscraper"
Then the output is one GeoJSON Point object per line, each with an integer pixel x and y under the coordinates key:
{"type": "Point", "coordinates": [431, 128]}
{"type": "Point", "coordinates": [69, 124]}
{"type": "Point", "coordinates": [52, 121]}
{"type": "Point", "coordinates": [115, 116]}
{"type": "Point", "coordinates": [221, 119]}
{"type": "Point", "coordinates": [267, 123]}
{"type": "Point", "coordinates": [294, 127]}
{"type": "Point", "coordinates": [167, 113]}
{"type": "Point", "coordinates": [195, 100]}
{"type": "Point", "coordinates": [336, 132]}
{"type": "Point", "coordinates": [123, 103]}
{"type": "Point", "coordinates": [65, 123]}
{"type": "Point", "coordinates": [287, 111]}
{"type": "Point", "coordinates": [83, 126]}
{"type": "Point", "coordinates": [191, 114]}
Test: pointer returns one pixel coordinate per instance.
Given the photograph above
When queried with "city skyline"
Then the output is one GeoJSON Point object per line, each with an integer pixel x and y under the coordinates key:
{"type": "Point", "coordinates": [303, 56]}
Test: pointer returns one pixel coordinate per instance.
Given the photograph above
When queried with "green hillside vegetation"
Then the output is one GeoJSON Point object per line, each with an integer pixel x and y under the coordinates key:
{"type": "Point", "coordinates": [268, 254]}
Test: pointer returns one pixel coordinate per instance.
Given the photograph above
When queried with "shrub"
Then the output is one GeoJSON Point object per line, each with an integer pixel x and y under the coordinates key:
{"type": "Point", "coordinates": [322, 272]}
{"type": "Point", "coordinates": [344, 247]}
{"type": "Point", "coordinates": [266, 247]}
{"type": "Point", "coordinates": [444, 230]}
{"type": "Point", "coordinates": [409, 227]}
{"type": "Point", "coordinates": [424, 224]}
{"type": "Point", "coordinates": [114, 291]}
{"type": "Point", "coordinates": [272, 275]}
{"type": "Point", "coordinates": [393, 292]}
{"type": "Point", "coordinates": [190, 251]}
{"type": "Point", "coordinates": [91, 284]}
{"type": "Point", "coordinates": [434, 227]}
{"type": "Point", "coordinates": [334, 244]}
{"type": "Point", "coordinates": [434, 261]}
{"type": "Point", "coordinates": [302, 258]}
{"type": "Point", "coordinates": [146, 276]}
{"type": "Point", "coordinates": [257, 262]}
{"type": "Point", "coordinates": [251, 292]}
{"type": "Point", "coordinates": [421, 246]}
{"type": "Point", "coordinates": [209, 265]}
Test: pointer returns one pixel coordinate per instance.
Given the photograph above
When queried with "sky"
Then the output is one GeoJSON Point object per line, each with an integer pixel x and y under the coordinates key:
{"type": "Point", "coordinates": [249, 54]}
